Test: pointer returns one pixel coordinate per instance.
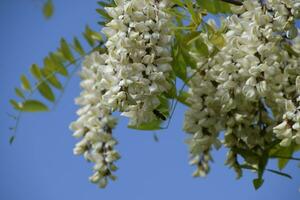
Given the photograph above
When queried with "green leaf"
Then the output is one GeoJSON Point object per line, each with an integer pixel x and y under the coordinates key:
{"type": "Point", "coordinates": [214, 6]}
{"type": "Point", "coordinates": [196, 16]}
{"type": "Point", "coordinates": [36, 71]}
{"type": "Point", "coordinates": [178, 2]}
{"type": "Point", "coordinates": [12, 139]}
{"type": "Point", "coordinates": [46, 91]}
{"type": "Point", "coordinates": [247, 154]}
{"type": "Point", "coordinates": [285, 152]}
{"type": "Point", "coordinates": [78, 47]}
{"type": "Point", "coordinates": [48, 9]}
{"type": "Point", "coordinates": [56, 61]}
{"type": "Point", "coordinates": [106, 4]}
{"type": "Point", "coordinates": [54, 82]}
{"type": "Point", "coordinates": [66, 51]}
{"type": "Point", "coordinates": [150, 126]}
{"type": "Point", "coordinates": [182, 97]}
{"type": "Point", "coordinates": [91, 36]}
{"type": "Point", "coordinates": [33, 106]}
{"type": "Point", "coordinates": [297, 147]}
{"type": "Point", "coordinates": [218, 40]}
{"type": "Point", "coordinates": [280, 173]}
{"type": "Point", "coordinates": [103, 13]}
{"type": "Point", "coordinates": [19, 93]}
{"type": "Point", "coordinates": [187, 58]}
{"type": "Point", "coordinates": [201, 47]}
{"type": "Point", "coordinates": [16, 105]}
{"type": "Point", "coordinates": [25, 83]}
{"type": "Point", "coordinates": [178, 63]}
{"type": "Point", "coordinates": [245, 166]}
{"type": "Point", "coordinates": [262, 163]}
{"type": "Point", "coordinates": [290, 49]}
{"type": "Point", "coordinates": [257, 183]}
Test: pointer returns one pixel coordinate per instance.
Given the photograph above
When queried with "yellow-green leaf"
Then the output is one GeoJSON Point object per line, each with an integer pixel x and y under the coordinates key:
{"type": "Point", "coordinates": [103, 13]}
{"type": "Point", "coordinates": [201, 47]}
{"type": "Point", "coordinates": [46, 91]}
{"type": "Point", "coordinates": [36, 71]}
{"type": "Point", "coordinates": [48, 9]}
{"type": "Point", "coordinates": [33, 106]}
{"type": "Point", "coordinates": [218, 40]}
{"type": "Point", "coordinates": [91, 36]}
{"type": "Point", "coordinates": [16, 105]}
{"type": "Point", "coordinates": [19, 93]}
{"type": "Point", "coordinates": [66, 51]}
{"type": "Point", "coordinates": [78, 47]}
{"type": "Point", "coordinates": [25, 83]}
{"type": "Point", "coordinates": [57, 62]}
{"type": "Point", "coordinates": [149, 126]}
{"type": "Point", "coordinates": [51, 78]}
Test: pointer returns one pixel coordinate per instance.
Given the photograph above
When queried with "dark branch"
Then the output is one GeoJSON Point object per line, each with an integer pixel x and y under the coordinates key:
{"type": "Point", "coordinates": [234, 2]}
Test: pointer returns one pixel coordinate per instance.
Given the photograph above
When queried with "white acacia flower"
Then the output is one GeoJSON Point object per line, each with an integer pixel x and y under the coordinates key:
{"type": "Point", "coordinates": [95, 123]}
{"type": "Point", "coordinates": [138, 43]}
{"type": "Point", "coordinates": [253, 74]}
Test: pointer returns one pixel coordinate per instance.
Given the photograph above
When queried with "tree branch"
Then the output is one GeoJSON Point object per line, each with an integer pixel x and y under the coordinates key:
{"type": "Point", "coordinates": [234, 2]}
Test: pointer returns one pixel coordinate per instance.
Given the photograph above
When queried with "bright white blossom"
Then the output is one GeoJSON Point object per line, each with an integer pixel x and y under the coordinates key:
{"type": "Point", "coordinates": [95, 123]}
{"type": "Point", "coordinates": [249, 86]}
{"type": "Point", "coordinates": [139, 56]}
{"type": "Point", "coordinates": [130, 78]}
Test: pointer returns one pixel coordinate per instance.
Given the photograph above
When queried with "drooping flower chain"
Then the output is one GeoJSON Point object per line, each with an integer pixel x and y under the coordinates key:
{"type": "Point", "coordinates": [247, 88]}
{"type": "Point", "coordinates": [130, 78]}
{"type": "Point", "coordinates": [95, 122]}
{"type": "Point", "coordinates": [138, 43]}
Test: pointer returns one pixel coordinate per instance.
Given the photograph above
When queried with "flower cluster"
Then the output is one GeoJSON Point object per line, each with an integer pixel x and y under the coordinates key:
{"type": "Point", "coordinates": [130, 78]}
{"type": "Point", "coordinates": [138, 43]}
{"type": "Point", "coordinates": [250, 89]}
{"type": "Point", "coordinates": [95, 122]}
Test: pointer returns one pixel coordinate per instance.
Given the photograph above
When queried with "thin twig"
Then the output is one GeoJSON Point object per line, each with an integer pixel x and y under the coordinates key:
{"type": "Point", "coordinates": [285, 157]}
{"type": "Point", "coordinates": [181, 89]}
{"type": "Point", "coordinates": [65, 86]}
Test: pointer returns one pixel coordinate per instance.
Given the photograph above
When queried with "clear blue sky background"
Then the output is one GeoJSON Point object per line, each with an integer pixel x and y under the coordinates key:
{"type": "Point", "coordinates": [41, 166]}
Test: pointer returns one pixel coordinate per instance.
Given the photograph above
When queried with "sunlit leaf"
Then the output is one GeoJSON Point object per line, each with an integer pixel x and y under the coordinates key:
{"type": "Point", "coordinates": [19, 93]}
{"type": "Point", "coordinates": [36, 71]}
{"type": "Point", "coordinates": [66, 51]}
{"type": "Point", "coordinates": [91, 36]}
{"type": "Point", "coordinates": [149, 126]}
{"type": "Point", "coordinates": [103, 13]}
{"type": "Point", "coordinates": [25, 83]}
{"type": "Point", "coordinates": [78, 47]}
{"type": "Point", "coordinates": [57, 62]}
{"type": "Point", "coordinates": [182, 97]}
{"type": "Point", "coordinates": [46, 91]}
{"type": "Point", "coordinates": [16, 105]}
{"type": "Point", "coordinates": [33, 106]}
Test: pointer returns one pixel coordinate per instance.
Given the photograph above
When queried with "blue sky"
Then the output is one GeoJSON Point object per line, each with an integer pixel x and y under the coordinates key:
{"type": "Point", "coordinates": [40, 164]}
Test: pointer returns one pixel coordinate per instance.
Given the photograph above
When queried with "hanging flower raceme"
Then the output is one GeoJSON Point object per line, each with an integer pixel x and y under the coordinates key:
{"type": "Point", "coordinates": [130, 78]}
{"type": "Point", "coordinates": [249, 86]}
{"type": "Point", "coordinates": [138, 43]}
{"type": "Point", "coordinates": [95, 122]}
